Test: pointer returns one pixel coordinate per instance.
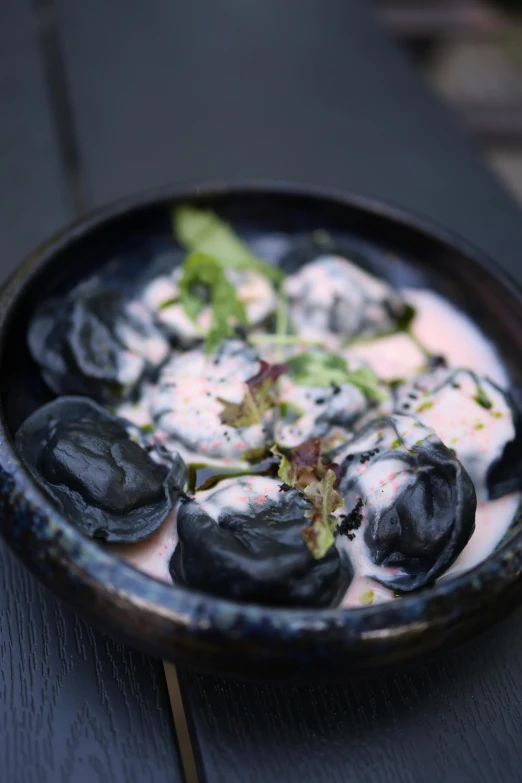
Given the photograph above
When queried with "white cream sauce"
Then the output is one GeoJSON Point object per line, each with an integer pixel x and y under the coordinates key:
{"type": "Point", "coordinates": [153, 555]}
{"type": "Point", "coordinates": [443, 330]}
{"type": "Point", "coordinates": [447, 401]}
{"type": "Point", "coordinates": [391, 358]}
{"type": "Point", "coordinates": [192, 405]}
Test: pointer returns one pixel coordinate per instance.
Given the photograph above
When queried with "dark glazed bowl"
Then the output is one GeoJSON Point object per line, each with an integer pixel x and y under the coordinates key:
{"type": "Point", "coordinates": [197, 630]}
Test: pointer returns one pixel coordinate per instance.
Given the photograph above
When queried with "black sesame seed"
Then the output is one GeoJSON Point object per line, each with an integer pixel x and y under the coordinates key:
{"type": "Point", "coordinates": [351, 521]}
{"type": "Point", "coordinates": [406, 405]}
{"type": "Point", "coordinates": [320, 401]}
{"type": "Point", "coordinates": [437, 361]}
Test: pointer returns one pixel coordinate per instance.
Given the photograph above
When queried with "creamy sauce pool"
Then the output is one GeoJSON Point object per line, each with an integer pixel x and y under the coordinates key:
{"type": "Point", "coordinates": [438, 327]}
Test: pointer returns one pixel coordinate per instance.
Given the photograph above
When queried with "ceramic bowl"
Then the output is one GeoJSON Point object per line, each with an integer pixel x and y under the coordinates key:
{"type": "Point", "coordinates": [205, 633]}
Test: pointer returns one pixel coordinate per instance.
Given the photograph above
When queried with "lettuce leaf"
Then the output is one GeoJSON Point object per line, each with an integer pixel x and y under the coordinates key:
{"type": "Point", "coordinates": [204, 282]}
{"type": "Point", "coordinates": [319, 537]}
{"type": "Point", "coordinates": [203, 231]}
{"type": "Point", "coordinates": [305, 469]}
{"type": "Point", "coordinates": [259, 397]}
{"type": "Point", "coordinates": [326, 369]}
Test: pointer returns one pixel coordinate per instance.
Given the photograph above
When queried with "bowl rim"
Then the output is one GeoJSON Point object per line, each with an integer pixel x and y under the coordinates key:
{"type": "Point", "coordinates": [181, 608]}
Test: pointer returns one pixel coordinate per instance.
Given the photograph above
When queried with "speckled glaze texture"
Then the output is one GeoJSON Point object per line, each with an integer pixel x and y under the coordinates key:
{"type": "Point", "coordinates": [196, 630]}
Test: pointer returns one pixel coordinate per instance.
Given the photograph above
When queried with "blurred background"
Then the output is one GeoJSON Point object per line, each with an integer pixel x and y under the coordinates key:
{"type": "Point", "coordinates": [471, 53]}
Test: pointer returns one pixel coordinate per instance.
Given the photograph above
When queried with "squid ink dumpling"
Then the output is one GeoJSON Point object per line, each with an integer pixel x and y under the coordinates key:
{"type": "Point", "coordinates": [95, 468]}
{"type": "Point", "coordinates": [316, 412]}
{"type": "Point", "coordinates": [331, 292]}
{"type": "Point", "coordinates": [410, 505]}
{"type": "Point", "coordinates": [189, 402]}
{"type": "Point", "coordinates": [96, 341]}
{"type": "Point", "coordinates": [476, 419]}
{"type": "Point", "coordinates": [244, 542]}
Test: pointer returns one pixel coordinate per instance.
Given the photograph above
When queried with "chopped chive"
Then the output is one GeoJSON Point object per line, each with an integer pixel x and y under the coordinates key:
{"type": "Point", "coordinates": [482, 399]}
{"type": "Point", "coordinates": [168, 303]}
{"type": "Point", "coordinates": [367, 598]}
{"type": "Point", "coordinates": [281, 339]}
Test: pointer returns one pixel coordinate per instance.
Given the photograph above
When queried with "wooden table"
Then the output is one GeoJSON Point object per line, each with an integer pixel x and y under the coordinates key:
{"type": "Point", "coordinates": [102, 98]}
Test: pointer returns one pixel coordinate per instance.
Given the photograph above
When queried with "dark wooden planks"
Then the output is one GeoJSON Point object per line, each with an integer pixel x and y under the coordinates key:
{"type": "Point", "coordinates": [303, 89]}
{"type": "Point", "coordinates": [75, 706]}
{"type": "Point", "coordinates": [32, 200]}
{"type": "Point", "coordinates": [455, 721]}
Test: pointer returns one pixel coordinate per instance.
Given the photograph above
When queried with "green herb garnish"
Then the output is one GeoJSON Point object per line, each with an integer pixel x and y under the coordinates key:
{"type": "Point", "coordinates": [327, 369]}
{"type": "Point", "coordinates": [259, 397]}
{"type": "Point", "coordinates": [305, 469]}
{"type": "Point", "coordinates": [366, 381]}
{"type": "Point", "coordinates": [283, 339]}
{"type": "Point", "coordinates": [425, 406]}
{"type": "Point", "coordinates": [192, 474]}
{"type": "Point", "coordinates": [168, 303]}
{"type": "Point", "coordinates": [366, 598]}
{"type": "Point", "coordinates": [203, 231]}
{"type": "Point", "coordinates": [404, 320]}
{"type": "Point", "coordinates": [319, 537]}
{"type": "Point", "coordinates": [203, 282]}
{"type": "Point", "coordinates": [290, 412]}
{"type": "Point", "coordinates": [256, 454]}
{"type": "Point", "coordinates": [482, 398]}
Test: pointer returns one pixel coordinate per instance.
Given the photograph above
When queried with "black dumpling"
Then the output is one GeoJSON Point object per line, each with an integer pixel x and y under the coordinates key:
{"type": "Point", "coordinates": [98, 471]}
{"type": "Point", "coordinates": [77, 345]}
{"type": "Point", "coordinates": [262, 558]}
{"type": "Point", "coordinates": [308, 247]}
{"type": "Point", "coordinates": [431, 517]}
{"type": "Point", "coordinates": [48, 346]}
{"type": "Point", "coordinates": [505, 475]}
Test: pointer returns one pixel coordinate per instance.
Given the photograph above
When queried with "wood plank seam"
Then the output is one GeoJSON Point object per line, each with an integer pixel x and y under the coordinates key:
{"type": "Point", "coordinates": [53, 67]}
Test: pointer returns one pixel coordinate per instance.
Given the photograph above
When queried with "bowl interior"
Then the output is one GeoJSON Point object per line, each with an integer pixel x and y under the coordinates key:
{"type": "Point", "coordinates": [400, 249]}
